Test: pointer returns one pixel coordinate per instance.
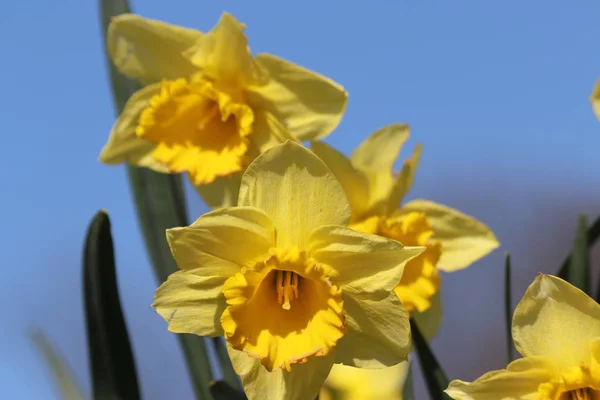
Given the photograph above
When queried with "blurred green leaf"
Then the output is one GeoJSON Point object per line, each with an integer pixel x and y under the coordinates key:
{"type": "Point", "coordinates": [220, 390]}
{"type": "Point", "coordinates": [160, 205]}
{"type": "Point", "coordinates": [593, 232]}
{"type": "Point", "coordinates": [111, 360]}
{"type": "Point", "coordinates": [508, 307]}
{"type": "Point", "coordinates": [408, 392]}
{"type": "Point", "coordinates": [435, 378]}
{"type": "Point", "coordinates": [67, 385]}
{"type": "Point", "coordinates": [578, 273]}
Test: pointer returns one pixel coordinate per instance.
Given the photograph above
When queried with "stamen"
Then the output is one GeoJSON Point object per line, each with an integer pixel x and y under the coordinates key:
{"type": "Point", "coordinates": [580, 394]}
{"type": "Point", "coordinates": [287, 288]}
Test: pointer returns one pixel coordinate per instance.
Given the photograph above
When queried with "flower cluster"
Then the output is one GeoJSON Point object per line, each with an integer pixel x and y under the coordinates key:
{"type": "Point", "coordinates": [311, 263]}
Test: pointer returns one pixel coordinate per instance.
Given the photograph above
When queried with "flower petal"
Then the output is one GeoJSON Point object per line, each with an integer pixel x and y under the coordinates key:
{"type": "Point", "coordinates": [191, 303]}
{"type": "Point", "coordinates": [123, 144]}
{"type": "Point", "coordinates": [267, 132]}
{"type": "Point", "coordinates": [367, 384]}
{"type": "Point", "coordinates": [148, 50]}
{"type": "Point", "coordinates": [429, 321]}
{"type": "Point", "coordinates": [221, 242]}
{"type": "Point", "coordinates": [309, 105]}
{"type": "Point", "coordinates": [464, 239]}
{"type": "Point", "coordinates": [375, 158]}
{"type": "Point", "coordinates": [556, 320]}
{"type": "Point", "coordinates": [298, 192]}
{"type": "Point", "coordinates": [519, 381]}
{"type": "Point", "coordinates": [303, 382]}
{"type": "Point", "coordinates": [222, 192]}
{"type": "Point", "coordinates": [355, 184]}
{"type": "Point", "coordinates": [223, 53]}
{"type": "Point", "coordinates": [404, 180]}
{"type": "Point", "coordinates": [378, 333]}
{"type": "Point", "coordinates": [595, 99]}
{"type": "Point", "coordinates": [361, 262]}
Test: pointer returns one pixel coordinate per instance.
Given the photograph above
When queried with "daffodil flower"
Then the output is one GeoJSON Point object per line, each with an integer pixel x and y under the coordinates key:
{"type": "Point", "coordinates": [452, 239]}
{"type": "Point", "coordinates": [347, 383]}
{"type": "Point", "coordinates": [208, 107]}
{"type": "Point", "coordinates": [292, 289]}
{"type": "Point", "coordinates": [556, 328]}
{"type": "Point", "coordinates": [595, 99]}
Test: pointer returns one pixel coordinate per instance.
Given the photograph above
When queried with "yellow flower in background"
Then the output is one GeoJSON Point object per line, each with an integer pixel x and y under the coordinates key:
{"type": "Point", "coordinates": [556, 328]}
{"type": "Point", "coordinates": [208, 107]}
{"type": "Point", "coordinates": [347, 383]}
{"type": "Point", "coordinates": [595, 99]}
{"type": "Point", "coordinates": [452, 239]}
{"type": "Point", "coordinates": [289, 286]}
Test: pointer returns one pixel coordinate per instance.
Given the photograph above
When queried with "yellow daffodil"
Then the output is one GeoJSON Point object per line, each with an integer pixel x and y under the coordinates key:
{"type": "Point", "coordinates": [348, 383]}
{"type": "Point", "coordinates": [208, 107]}
{"type": "Point", "coordinates": [452, 239]}
{"type": "Point", "coordinates": [292, 289]}
{"type": "Point", "coordinates": [595, 99]}
{"type": "Point", "coordinates": [556, 328]}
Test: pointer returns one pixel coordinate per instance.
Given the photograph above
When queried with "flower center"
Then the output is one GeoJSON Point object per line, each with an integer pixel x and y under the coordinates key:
{"type": "Point", "coordinates": [287, 288]}
{"type": "Point", "coordinates": [258, 320]}
{"type": "Point", "coordinates": [580, 394]}
{"type": "Point", "coordinates": [421, 280]}
{"type": "Point", "coordinates": [197, 129]}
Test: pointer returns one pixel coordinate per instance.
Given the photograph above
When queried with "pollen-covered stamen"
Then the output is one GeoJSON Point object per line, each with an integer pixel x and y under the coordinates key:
{"type": "Point", "coordinates": [287, 288]}
{"type": "Point", "coordinates": [580, 394]}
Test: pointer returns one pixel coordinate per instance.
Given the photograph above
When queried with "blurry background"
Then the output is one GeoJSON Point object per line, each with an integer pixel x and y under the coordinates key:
{"type": "Point", "coordinates": [496, 91]}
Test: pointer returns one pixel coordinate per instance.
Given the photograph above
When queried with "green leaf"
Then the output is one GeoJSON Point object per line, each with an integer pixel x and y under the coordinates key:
{"type": "Point", "coordinates": [435, 378]}
{"type": "Point", "coordinates": [578, 273]}
{"type": "Point", "coordinates": [111, 360]}
{"type": "Point", "coordinates": [67, 385]}
{"type": "Point", "coordinates": [408, 392]}
{"type": "Point", "coordinates": [220, 390]}
{"type": "Point", "coordinates": [508, 307]}
{"type": "Point", "coordinates": [593, 232]}
{"type": "Point", "coordinates": [160, 205]}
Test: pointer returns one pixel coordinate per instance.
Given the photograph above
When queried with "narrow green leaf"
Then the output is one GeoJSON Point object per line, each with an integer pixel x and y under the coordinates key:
{"type": "Point", "coordinates": [111, 360]}
{"type": "Point", "coordinates": [408, 392]}
{"type": "Point", "coordinates": [220, 390]}
{"type": "Point", "coordinates": [160, 205]}
{"type": "Point", "coordinates": [508, 307]}
{"type": "Point", "coordinates": [578, 273]}
{"type": "Point", "coordinates": [67, 385]}
{"type": "Point", "coordinates": [593, 233]}
{"type": "Point", "coordinates": [435, 378]}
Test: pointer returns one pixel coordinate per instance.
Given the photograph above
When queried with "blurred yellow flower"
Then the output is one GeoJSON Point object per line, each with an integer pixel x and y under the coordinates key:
{"type": "Point", "coordinates": [556, 328]}
{"type": "Point", "coordinates": [348, 383]}
{"type": "Point", "coordinates": [595, 99]}
{"type": "Point", "coordinates": [289, 285]}
{"type": "Point", "coordinates": [452, 239]}
{"type": "Point", "coordinates": [208, 107]}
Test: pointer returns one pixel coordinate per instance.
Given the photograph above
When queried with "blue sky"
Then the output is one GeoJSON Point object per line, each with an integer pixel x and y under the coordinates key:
{"type": "Point", "coordinates": [496, 91]}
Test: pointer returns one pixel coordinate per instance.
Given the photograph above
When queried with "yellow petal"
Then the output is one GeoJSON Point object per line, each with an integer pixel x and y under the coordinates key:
{"type": "Point", "coordinates": [123, 144]}
{"type": "Point", "coordinates": [309, 105]}
{"type": "Point", "coordinates": [595, 99]}
{"type": "Point", "coordinates": [301, 383]}
{"type": "Point", "coordinates": [296, 190]}
{"type": "Point", "coordinates": [355, 184]}
{"type": "Point", "coordinates": [223, 53]}
{"type": "Point", "coordinates": [148, 50]}
{"type": "Point", "coordinates": [378, 332]}
{"type": "Point", "coordinates": [191, 303]}
{"type": "Point", "coordinates": [360, 262]}
{"type": "Point", "coordinates": [222, 192]}
{"type": "Point", "coordinates": [221, 242]}
{"type": "Point", "coordinates": [404, 180]}
{"type": "Point", "coordinates": [267, 132]}
{"type": "Point", "coordinates": [556, 320]}
{"type": "Point", "coordinates": [464, 239]}
{"type": "Point", "coordinates": [519, 381]}
{"type": "Point", "coordinates": [429, 321]}
{"type": "Point", "coordinates": [375, 158]}
{"type": "Point", "coordinates": [352, 383]}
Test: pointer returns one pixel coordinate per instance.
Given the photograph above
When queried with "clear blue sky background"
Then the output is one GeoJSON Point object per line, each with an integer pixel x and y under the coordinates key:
{"type": "Point", "coordinates": [497, 92]}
